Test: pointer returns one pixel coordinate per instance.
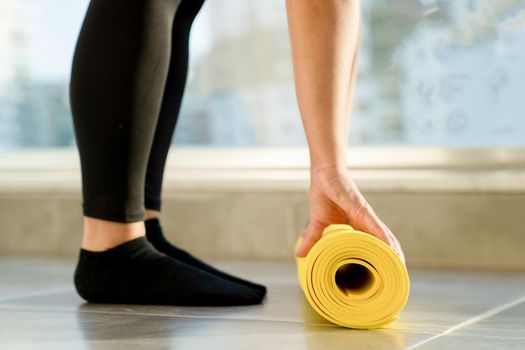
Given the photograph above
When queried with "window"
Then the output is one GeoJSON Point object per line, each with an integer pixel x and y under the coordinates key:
{"type": "Point", "coordinates": [447, 73]}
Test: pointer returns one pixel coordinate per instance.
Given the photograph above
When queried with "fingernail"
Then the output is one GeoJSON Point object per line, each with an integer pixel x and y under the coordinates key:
{"type": "Point", "coordinates": [298, 250]}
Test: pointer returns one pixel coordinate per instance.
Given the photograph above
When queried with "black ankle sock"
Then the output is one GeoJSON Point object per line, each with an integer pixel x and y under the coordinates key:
{"type": "Point", "coordinates": [135, 273]}
{"type": "Point", "coordinates": [156, 237]}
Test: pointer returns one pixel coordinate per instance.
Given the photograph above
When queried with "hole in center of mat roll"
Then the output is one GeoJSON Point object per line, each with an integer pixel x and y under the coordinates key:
{"type": "Point", "coordinates": [353, 278]}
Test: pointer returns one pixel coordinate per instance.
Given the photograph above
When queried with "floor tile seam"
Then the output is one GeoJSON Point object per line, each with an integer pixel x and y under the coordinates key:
{"type": "Point", "coordinates": [256, 320]}
{"type": "Point", "coordinates": [10, 307]}
{"type": "Point", "coordinates": [7, 307]}
{"type": "Point", "coordinates": [407, 330]}
{"type": "Point", "coordinates": [484, 336]}
{"type": "Point", "coordinates": [484, 315]}
{"type": "Point", "coordinates": [212, 317]}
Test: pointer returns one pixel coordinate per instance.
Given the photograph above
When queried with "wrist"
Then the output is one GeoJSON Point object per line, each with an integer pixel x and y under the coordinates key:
{"type": "Point", "coordinates": [320, 168]}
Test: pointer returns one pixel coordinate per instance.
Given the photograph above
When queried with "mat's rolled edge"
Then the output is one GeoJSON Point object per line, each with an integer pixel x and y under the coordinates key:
{"type": "Point", "coordinates": [301, 264]}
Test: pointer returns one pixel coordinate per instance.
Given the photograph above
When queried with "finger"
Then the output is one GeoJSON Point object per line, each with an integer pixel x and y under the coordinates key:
{"type": "Point", "coordinates": [361, 215]}
{"type": "Point", "coordinates": [402, 255]}
{"type": "Point", "coordinates": [372, 224]}
{"type": "Point", "coordinates": [367, 221]}
{"type": "Point", "coordinates": [394, 243]}
{"type": "Point", "coordinates": [397, 246]}
{"type": "Point", "coordinates": [311, 235]}
{"type": "Point", "coordinates": [400, 250]}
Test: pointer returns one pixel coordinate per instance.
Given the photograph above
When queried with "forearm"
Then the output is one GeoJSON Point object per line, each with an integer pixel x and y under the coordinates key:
{"type": "Point", "coordinates": [324, 38]}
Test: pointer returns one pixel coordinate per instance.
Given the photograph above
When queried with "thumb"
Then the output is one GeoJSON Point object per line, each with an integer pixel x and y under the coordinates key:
{"type": "Point", "coordinates": [311, 235]}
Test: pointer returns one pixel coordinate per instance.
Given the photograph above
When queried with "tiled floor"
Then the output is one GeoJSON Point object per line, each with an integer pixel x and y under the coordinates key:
{"type": "Point", "coordinates": [39, 309]}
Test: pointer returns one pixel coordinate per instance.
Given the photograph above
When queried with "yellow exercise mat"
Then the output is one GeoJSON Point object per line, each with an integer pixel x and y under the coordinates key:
{"type": "Point", "coordinates": [353, 279]}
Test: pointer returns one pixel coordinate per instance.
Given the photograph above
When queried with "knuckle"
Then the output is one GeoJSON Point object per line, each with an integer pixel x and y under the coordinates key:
{"type": "Point", "coordinates": [363, 210]}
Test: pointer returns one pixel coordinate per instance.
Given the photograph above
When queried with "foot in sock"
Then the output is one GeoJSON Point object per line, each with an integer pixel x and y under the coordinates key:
{"type": "Point", "coordinates": [135, 273]}
{"type": "Point", "coordinates": [155, 235]}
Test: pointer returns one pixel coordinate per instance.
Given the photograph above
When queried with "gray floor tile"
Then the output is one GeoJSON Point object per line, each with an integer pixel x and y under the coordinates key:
{"type": "Point", "coordinates": [39, 306]}
{"type": "Point", "coordinates": [438, 300]}
{"type": "Point", "coordinates": [21, 277]}
{"type": "Point", "coordinates": [71, 330]}
{"type": "Point", "coordinates": [454, 342]}
{"type": "Point", "coordinates": [508, 323]}
{"type": "Point", "coordinates": [441, 299]}
{"type": "Point", "coordinates": [274, 308]}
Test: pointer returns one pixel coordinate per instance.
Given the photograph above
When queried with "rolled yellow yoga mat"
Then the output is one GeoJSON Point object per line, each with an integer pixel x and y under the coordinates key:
{"type": "Point", "coordinates": [353, 279]}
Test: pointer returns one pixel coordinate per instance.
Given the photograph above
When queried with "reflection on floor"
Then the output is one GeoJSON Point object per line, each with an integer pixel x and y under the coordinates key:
{"type": "Point", "coordinates": [447, 310]}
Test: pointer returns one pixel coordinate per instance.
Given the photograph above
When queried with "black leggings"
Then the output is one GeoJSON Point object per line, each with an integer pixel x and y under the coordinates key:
{"type": "Point", "coordinates": [127, 82]}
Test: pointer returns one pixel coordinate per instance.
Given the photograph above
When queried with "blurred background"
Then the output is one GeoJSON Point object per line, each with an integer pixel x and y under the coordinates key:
{"type": "Point", "coordinates": [437, 131]}
{"type": "Point", "coordinates": [445, 73]}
